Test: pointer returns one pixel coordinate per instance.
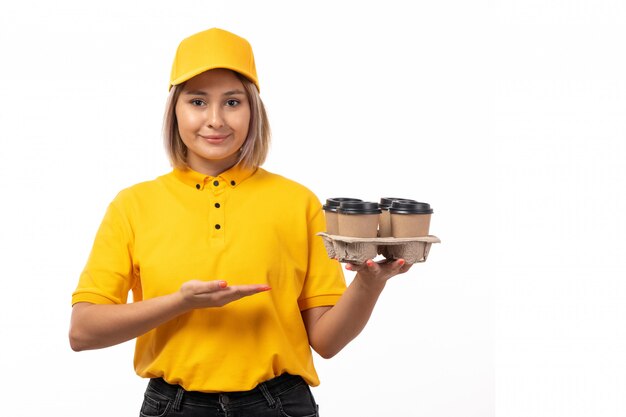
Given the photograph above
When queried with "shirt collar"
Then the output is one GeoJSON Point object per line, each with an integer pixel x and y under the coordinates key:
{"type": "Point", "coordinates": [232, 177]}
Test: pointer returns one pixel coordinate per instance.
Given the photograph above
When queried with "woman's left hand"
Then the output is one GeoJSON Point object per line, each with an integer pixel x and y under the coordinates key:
{"type": "Point", "coordinates": [331, 328]}
{"type": "Point", "coordinates": [379, 272]}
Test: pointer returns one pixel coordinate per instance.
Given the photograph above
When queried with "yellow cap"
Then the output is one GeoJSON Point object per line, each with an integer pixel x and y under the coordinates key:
{"type": "Point", "coordinates": [213, 48]}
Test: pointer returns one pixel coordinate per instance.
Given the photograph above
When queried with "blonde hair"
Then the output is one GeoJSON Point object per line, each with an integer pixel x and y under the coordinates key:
{"type": "Point", "coordinates": [255, 147]}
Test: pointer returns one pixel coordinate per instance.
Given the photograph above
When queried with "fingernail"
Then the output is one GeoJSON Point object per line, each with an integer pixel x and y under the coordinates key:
{"type": "Point", "coordinates": [401, 262]}
{"type": "Point", "coordinates": [369, 263]}
{"type": "Point", "coordinates": [223, 284]}
{"type": "Point", "coordinates": [349, 267]}
{"type": "Point", "coordinates": [266, 288]}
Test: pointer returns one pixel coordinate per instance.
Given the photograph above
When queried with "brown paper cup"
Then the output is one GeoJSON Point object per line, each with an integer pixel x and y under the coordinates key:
{"type": "Point", "coordinates": [330, 211]}
{"type": "Point", "coordinates": [410, 225]}
{"type": "Point", "coordinates": [332, 226]}
{"type": "Point", "coordinates": [358, 225]}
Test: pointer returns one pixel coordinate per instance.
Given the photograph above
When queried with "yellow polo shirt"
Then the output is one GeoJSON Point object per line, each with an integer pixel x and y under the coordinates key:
{"type": "Point", "coordinates": [243, 226]}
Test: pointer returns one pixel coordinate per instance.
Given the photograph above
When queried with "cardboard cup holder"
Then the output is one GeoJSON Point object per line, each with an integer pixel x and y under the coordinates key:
{"type": "Point", "coordinates": [357, 250]}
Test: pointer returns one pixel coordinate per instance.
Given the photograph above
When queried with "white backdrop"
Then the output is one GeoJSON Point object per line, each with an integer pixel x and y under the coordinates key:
{"type": "Point", "coordinates": [508, 117]}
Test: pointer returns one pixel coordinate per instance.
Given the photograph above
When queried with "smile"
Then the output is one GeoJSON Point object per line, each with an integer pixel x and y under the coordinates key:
{"type": "Point", "coordinates": [215, 139]}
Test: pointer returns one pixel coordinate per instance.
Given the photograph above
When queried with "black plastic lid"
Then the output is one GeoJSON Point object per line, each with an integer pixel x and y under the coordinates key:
{"type": "Point", "coordinates": [332, 204]}
{"type": "Point", "coordinates": [385, 202]}
{"type": "Point", "coordinates": [359, 207]}
{"type": "Point", "coordinates": [409, 207]}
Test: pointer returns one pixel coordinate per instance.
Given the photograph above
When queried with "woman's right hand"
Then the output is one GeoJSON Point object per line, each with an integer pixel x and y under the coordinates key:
{"type": "Point", "coordinates": [95, 326]}
{"type": "Point", "coordinates": [202, 294]}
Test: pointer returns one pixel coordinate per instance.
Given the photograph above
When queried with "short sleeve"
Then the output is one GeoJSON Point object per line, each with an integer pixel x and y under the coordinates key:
{"type": "Point", "coordinates": [108, 275]}
{"type": "Point", "coordinates": [324, 282]}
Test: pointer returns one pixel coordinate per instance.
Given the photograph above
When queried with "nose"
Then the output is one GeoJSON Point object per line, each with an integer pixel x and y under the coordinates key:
{"type": "Point", "coordinates": [215, 118]}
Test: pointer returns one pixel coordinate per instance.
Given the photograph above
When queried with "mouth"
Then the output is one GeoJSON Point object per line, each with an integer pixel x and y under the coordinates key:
{"type": "Point", "coordinates": [214, 139]}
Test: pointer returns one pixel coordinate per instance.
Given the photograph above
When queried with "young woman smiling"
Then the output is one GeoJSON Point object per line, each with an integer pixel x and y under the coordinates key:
{"type": "Point", "coordinates": [231, 286]}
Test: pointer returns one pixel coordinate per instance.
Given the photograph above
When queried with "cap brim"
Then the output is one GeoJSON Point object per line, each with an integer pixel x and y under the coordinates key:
{"type": "Point", "coordinates": [198, 71]}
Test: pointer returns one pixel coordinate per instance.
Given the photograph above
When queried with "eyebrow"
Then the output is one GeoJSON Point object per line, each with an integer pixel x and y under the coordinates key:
{"type": "Point", "coordinates": [203, 93]}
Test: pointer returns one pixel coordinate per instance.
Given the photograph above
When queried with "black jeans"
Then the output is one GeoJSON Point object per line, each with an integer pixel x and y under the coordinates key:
{"type": "Point", "coordinates": [286, 395]}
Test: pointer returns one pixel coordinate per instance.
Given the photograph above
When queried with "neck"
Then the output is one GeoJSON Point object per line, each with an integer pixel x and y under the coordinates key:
{"type": "Point", "coordinates": [212, 167]}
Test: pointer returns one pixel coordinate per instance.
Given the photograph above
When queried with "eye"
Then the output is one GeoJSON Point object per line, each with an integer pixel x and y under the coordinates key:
{"type": "Point", "coordinates": [232, 102]}
{"type": "Point", "coordinates": [197, 102]}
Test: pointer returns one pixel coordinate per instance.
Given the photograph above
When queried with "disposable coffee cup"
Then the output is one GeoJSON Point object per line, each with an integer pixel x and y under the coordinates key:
{"type": "Point", "coordinates": [410, 218]}
{"type": "Point", "coordinates": [358, 218]}
{"type": "Point", "coordinates": [330, 212]}
{"type": "Point", "coordinates": [384, 226]}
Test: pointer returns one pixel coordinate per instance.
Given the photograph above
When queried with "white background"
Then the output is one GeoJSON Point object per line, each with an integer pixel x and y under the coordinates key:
{"type": "Point", "coordinates": [507, 116]}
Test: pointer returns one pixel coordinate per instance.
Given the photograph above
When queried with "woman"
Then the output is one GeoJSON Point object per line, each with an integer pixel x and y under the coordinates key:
{"type": "Point", "coordinates": [231, 285]}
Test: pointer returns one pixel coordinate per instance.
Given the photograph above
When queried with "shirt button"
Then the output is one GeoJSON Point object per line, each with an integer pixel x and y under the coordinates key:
{"type": "Point", "coordinates": [197, 186]}
{"type": "Point", "coordinates": [216, 183]}
{"type": "Point", "coordinates": [232, 183]}
{"type": "Point", "coordinates": [217, 226]}
{"type": "Point", "coordinates": [217, 205]}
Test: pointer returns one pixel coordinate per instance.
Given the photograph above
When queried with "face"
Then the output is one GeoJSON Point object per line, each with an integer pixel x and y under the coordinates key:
{"type": "Point", "coordinates": [213, 114]}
